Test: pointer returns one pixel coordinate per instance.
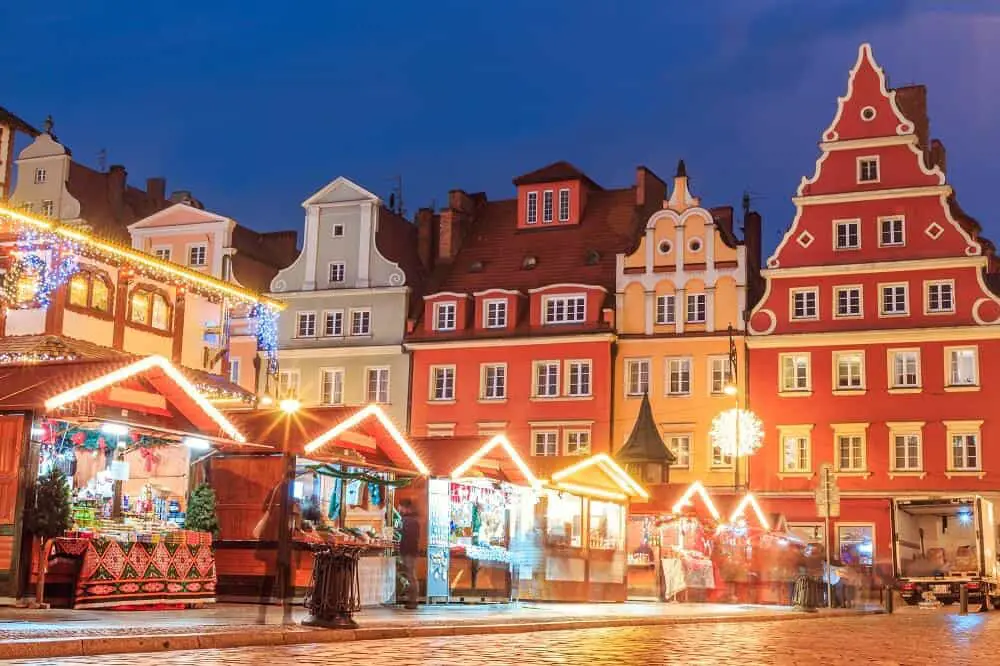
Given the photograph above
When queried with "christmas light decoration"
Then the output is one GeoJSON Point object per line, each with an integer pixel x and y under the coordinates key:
{"type": "Point", "coordinates": [685, 500]}
{"type": "Point", "coordinates": [750, 500]}
{"type": "Point", "coordinates": [25, 358]}
{"type": "Point", "coordinates": [505, 444]}
{"type": "Point", "coordinates": [588, 490]}
{"type": "Point", "coordinates": [26, 265]}
{"type": "Point", "coordinates": [611, 468]}
{"type": "Point", "coordinates": [359, 416]}
{"type": "Point", "coordinates": [267, 327]}
{"type": "Point", "coordinates": [727, 424]}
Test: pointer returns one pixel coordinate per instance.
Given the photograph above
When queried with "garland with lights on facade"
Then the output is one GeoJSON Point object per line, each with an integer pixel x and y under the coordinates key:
{"type": "Point", "coordinates": [46, 280]}
{"type": "Point", "coordinates": [372, 479]}
{"type": "Point", "coordinates": [23, 358]}
{"type": "Point", "coordinates": [267, 327]}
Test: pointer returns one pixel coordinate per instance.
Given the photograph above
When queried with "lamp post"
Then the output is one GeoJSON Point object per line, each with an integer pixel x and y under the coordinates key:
{"type": "Point", "coordinates": [732, 388]}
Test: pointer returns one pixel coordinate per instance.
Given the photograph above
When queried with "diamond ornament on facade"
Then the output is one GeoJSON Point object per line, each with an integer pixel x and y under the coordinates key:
{"type": "Point", "coordinates": [805, 239]}
{"type": "Point", "coordinates": [934, 230]}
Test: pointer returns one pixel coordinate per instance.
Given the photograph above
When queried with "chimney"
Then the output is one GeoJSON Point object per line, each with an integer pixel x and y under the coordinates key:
{"type": "Point", "coordinates": [454, 223]}
{"type": "Point", "coordinates": [650, 191]}
{"type": "Point", "coordinates": [116, 189]}
{"type": "Point", "coordinates": [751, 238]}
{"type": "Point", "coordinates": [425, 237]}
{"type": "Point", "coordinates": [156, 188]}
{"type": "Point", "coordinates": [912, 101]}
{"type": "Point", "coordinates": [460, 201]}
{"type": "Point", "coordinates": [938, 156]}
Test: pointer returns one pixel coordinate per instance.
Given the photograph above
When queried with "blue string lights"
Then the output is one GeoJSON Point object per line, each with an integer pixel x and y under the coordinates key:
{"type": "Point", "coordinates": [266, 319]}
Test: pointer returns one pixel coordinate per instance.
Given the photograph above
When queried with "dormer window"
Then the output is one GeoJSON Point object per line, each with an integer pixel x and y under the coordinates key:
{"type": "Point", "coordinates": [495, 314]}
{"type": "Point", "coordinates": [565, 309]}
{"type": "Point", "coordinates": [547, 206]}
{"type": "Point", "coordinates": [532, 211]}
{"type": "Point", "coordinates": [445, 316]}
{"type": "Point", "coordinates": [564, 205]}
{"type": "Point", "coordinates": [868, 170]}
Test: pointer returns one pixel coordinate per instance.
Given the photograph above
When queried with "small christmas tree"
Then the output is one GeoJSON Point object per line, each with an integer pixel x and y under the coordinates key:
{"type": "Point", "coordinates": [201, 511]}
{"type": "Point", "coordinates": [48, 512]}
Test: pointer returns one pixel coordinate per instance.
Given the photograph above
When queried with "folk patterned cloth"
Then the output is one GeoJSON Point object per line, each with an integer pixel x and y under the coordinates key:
{"type": "Point", "coordinates": [116, 573]}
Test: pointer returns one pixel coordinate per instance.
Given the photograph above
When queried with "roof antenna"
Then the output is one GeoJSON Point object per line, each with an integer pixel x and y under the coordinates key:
{"type": "Point", "coordinates": [396, 198]}
{"type": "Point", "coordinates": [102, 160]}
{"type": "Point", "coordinates": [748, 197]}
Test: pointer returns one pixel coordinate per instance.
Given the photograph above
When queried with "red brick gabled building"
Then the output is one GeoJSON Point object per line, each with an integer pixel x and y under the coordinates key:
{"type": "Point", "coordinates": [517, 326]}
{"type": "Point", "coordinates": [870, 346]}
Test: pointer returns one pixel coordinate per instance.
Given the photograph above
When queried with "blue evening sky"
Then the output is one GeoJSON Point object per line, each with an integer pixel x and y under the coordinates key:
{"type": "Point", "coordinates": [255, 105]}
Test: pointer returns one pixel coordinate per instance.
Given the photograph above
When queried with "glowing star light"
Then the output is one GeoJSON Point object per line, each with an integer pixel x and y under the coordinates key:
{"type": "Point", "coordinates": [727, 424]}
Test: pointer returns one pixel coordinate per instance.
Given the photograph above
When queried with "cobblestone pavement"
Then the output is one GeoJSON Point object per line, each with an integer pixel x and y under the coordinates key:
{"type": "Point", "coordinates": [911, 638]}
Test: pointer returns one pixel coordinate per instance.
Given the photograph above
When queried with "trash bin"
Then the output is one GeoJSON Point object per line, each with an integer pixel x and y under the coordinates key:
{"type": "Point", "coordinates": [334, 594]}
{"type": "Point", "coordinates": [806, 593]}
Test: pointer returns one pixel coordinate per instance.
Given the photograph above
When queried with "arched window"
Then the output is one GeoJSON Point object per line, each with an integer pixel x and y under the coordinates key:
{"type": "Point", "coordinates": [91, 289]}
{"type": "Point", "coordinates": [150, 307]}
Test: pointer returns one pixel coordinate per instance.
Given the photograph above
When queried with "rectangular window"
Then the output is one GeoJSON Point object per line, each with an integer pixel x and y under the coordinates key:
{"type": "Point", "coordinates": [577, 442]}
{"type": "Point", "coordinates": [443, 382]}
{"type": "Point", "coordinates": [665, 309]}
{"type": "Point", "coordinates": [337, 271]}
{"type": "Point", "coordinates": [48, 207]}
{"type": "Point", "coordinates": [197, 255]}
{"type": "Point", "coordinates": [546, 443]}
{"type": "Point", "coordinates": [377, 385]}
{"type": "Point", "coordinates": [637, 374]}
{"type": "Point", "coordinates": [795, 454]}
{"type": "Point", "coordinates": [496, 314]}
{"type": "Point", "coordinates": [547, 206]}
{"type": "Point", "coordinates": [856, 543]}
{"type": "Point", "coordinates": [891, 232]}
{"type": "Point", "coordinates": [850, 371]}
{"type": "Point", "coordinates": [848, 236]}
{"type": "Point", "coordinates": [444, 316]}
{"type": "Point", "coordinates": [940, 297]}
{"type": "Point", "coordinates": [579, 378]}
{"type": "Point", "coordinates": [679, 374]}
{"type": "Point", "coordinates": [965, 451]}
{"type": "Point", "coordinates": [680, 446]}
{"type": "Point", "coordinates": [333, 323]}
{"type": "Point", "coordinates": [565, 309]}
{"type": "Point", "coordinates": [564, 205]}
{"type": "Point", "coordinates": [494, 382]}
{"type": "Point", "coordinates": [719, 459]}
{"type": "Point", "coordinates": [867, 169]}
{"type": "Point", "coordinates": [306, 327]}
{"type": "Point", "coordinates": [234, 370]}
{"type": "Point", "coordinates": [696, 308]}
{"type": "Point", "coordinates": [894, 301]}
{"type": "Point", "coordinates": [850, 453]}
{"type": "Point", "coordinates": [40, 176]}
{"type": "Point", "coordinates": [848, 301]}
{"type": "Point", "coordinates": [332, 386]}
{"type": "Point", "coordinates": [905, 369]}
{"type": "Point", "coordinates": [288, 384]}
{"type": "Point", "coordinates": [338, 231]}
{"type": "Point", "coordinates": [906, 452]}
{"type": "Point", "coordinates": [805, 304]}
{"type": "Point", "coordinates": [361, 322]}
{"type": "Point", "coordinates": [722, 373]}
{"type": "Point", "coordinates": [795, 372]}
{"type": "Point", "coordinates": [547, 379]}
{"type": "Point", "coordinates": [162, 253]}
{"type": "Point", "coordinates": [531, 215]}
{"type": "Point", "coordinates": [963, 367]}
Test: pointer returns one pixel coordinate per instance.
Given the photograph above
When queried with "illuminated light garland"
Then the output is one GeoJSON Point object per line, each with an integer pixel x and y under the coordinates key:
{"type": "Point", "coordinates": [505, 444]}
{"type": "Point", "coordinates": [724, 428]}
{"type": "Point", "coordinates": [685, 500]}
{"type": "Point", "coordinates": [24, 358]}
{"type": "Point", "coordinates": [267, 327]}
{"type": "Point", "coordinates": [358, 417]}
{"type": "Point", "coordinates": [611, 468]}
{"type": "Point", "coordinates": [143, 365]}
{"type": "Point", "coordinates": [46, 280]}
{"type": "Point", "coordinates": [587, 490]}
{"type": "Point", "coordinates": [750, 500]}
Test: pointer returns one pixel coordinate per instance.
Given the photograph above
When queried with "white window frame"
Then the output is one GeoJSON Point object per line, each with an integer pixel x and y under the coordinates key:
{"type": "Point", "coordinates": [673, 441]}
{"type": "Point", "coordinates": [159, 250]}
{"type": "Point", "coordinates": [804, 292]}
{"type": "Point", "coordinates": [889, 219]}
{"type": "Point", "coordinates": [878, 169]}
{"type": "Point", "coordinates": [666, 305]}
{"type": "Point", "coordinates": [48, 207]}
{"type": "Point", "coordinates": [568, 379]}
{"type": "Point", "coordinates": [640, 362]}
{"type": "Point", "coordinates": [891, 355]}
{"type": "Point", "coordinates": [235, 366]}
{"type": "Point", "coordinates": [548, 207]}
{"type": "Point", "coordinates": [837, 356]}
{"type": "Point", "coordinates": [440, 430]}
{"type": "Point", "coordinates": [882, 312]}
{"type": "Point", "coordinates": [553, 445]}
{"type": "Point", "coordinates": [799, 434]}
{"type": "Point", "coordinates": [564, 204]}
{"type": "Point", "coordinates": [381, 385]}
{"type": "Point", "coordinates": [299, 317]}
{"type": "Point", "coordinates": [330, 272]}
{"type": "Point", "coordinates": [723, 364]}
{"type": "Point", "coordinates": [41, 176]}
{"type": "Point", "coordinates": [964, 430]}
{"type": "Point", "coordinates": [907, 429]}
{"type": "Point", "coordinates": [695, 298]}
{"type": "Point", "coordinates": [841, 288]}
{"type": "Point", "coordinates": [719, 461]}
{"type": "Point", "coordinates": [567, 300]}
{"type": "Point", "coordinates": [333, 230]}
{"type": "Point", "coordinates": [931, 284]}
{"type": "Point", "coordinates": [441, 309]}
{"type": "Point", "coordinates": [568, 434]}
{"type": "Point", "coordinates": [361, 333]}
{"type": "Point", "coordinates": [204, 252]}
{"type": "Point", "coordinates": [847, 224]}
{"type": "Point", "coordinates": [448, 379]}
{"type": "Point", "coordinates": [327, 314]}
{"type": "Point", "coordinates": [535, 386]}
{"type": "Point", "coordinates": [853, 465]}
{"type": "Point", "coordinates": [484, 384]}
{"type": "Point", "coordinates": [531, 208]}
{"type": "Point", "coordinates": [682, 362]}
{"type": "Point", "coordinates": [949, 383]}
{"type": "Point", "coordinates": [333, 373]}
{"type": "Point", "coordinates": [501, 313]}
{"type": "Point", "coordinates": [795, 389]}
{"type": "Point", "coordinates": [296, 384]}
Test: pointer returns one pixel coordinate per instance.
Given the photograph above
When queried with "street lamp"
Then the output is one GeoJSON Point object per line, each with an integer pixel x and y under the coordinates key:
{"type": "Point", "coordinates": [732, 389]}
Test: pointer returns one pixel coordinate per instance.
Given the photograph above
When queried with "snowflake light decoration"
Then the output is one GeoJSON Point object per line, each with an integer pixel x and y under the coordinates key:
{"type": "Point", "coordinates": [724, 429]}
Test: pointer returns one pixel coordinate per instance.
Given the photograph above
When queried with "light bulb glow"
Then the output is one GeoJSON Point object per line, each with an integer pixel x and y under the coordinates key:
{"type": "Point", "coordinates": [728, 423]}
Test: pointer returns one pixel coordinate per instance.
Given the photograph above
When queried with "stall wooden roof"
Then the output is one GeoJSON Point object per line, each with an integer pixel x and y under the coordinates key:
{"type": "Point", "coordinates": [599, 476]}
{"type": "Point", "coordinates": [490, 457]}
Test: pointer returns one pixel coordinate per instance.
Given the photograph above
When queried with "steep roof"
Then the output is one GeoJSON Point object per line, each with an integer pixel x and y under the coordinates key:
{"type": "Point", "coordinates": [16, 123]}
{"type": "Point", "coordinates": [553, 173]}
{"type": "Point", "coordinates": [645, 443]}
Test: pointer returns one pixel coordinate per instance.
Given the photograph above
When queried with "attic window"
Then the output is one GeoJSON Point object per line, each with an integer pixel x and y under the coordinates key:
{"type": "Point", "coordinates": [593, 256]}
{"type": "Point", "coordinates": [868, 114]}
{"type": "Point", "coordinates": [476, 267]}
{"type": "Point", "coordinates": [529, 262]}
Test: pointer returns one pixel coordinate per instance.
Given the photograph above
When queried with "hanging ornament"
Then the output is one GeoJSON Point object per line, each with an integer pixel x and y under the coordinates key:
{"type": "Point", "coordinates": [733, 424]}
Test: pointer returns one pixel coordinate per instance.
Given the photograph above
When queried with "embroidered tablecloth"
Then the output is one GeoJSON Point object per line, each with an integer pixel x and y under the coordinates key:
{"type": "Point", "coordinates": [116, 573]}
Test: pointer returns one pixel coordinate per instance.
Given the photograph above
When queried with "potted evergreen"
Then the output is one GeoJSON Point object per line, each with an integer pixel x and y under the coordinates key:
{"type": "Point", "coordinates": [47, 515]}
{"type": "Point", "coordinates": [201, 516]}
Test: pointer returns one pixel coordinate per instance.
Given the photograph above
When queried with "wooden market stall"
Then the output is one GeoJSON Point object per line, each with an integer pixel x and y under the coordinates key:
{"type": "Point", "coordinates": [345, 465]}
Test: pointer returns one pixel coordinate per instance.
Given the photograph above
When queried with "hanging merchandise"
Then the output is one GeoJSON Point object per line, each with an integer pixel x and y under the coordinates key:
{"type": "Point", "coordinates": [333, 512]}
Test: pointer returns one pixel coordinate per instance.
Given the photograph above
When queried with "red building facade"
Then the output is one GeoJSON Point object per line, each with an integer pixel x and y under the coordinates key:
{"type": "Point", "coordinates": [879, 319]}
{"type": "Point", "coordinates": [517, 326]}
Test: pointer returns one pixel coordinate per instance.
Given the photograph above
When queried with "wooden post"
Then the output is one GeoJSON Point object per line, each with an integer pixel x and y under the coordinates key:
{"type": "Point", "coordinates": [178, 328]}
{"type": "Point", "coordinates": [121, 308]}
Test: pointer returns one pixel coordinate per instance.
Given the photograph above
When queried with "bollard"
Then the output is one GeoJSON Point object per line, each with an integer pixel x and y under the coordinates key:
{"type": "Point", "coordinates": [888, 598]}
{"type": "Point", "coordinates": [963, 600]}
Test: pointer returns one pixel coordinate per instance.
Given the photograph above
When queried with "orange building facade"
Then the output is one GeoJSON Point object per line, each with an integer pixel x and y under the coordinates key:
{"type": "Point", "coordinates": [879, 316]}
